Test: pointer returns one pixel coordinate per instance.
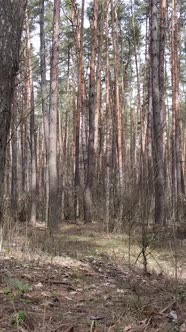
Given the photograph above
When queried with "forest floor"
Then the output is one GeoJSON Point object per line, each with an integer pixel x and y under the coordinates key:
{"type": "Point", "coordinates": [80, 280]}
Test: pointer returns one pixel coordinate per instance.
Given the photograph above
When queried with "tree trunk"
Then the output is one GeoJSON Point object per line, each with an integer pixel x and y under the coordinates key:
{"type": "Point", "coordinates": [53, 217]}
{"type": "Point", "coordinates": [107, 111]}
{"type": "Point", "coordinates": [44, 97]}
{"type": "Point", "coordinates": [78, 35]}
{"type": "Point", "coordinates": [11, 23]}
{"type": "Point", "coordinates": [30, 109]}
{"type": "Point", "coordinates": [116, 105]}
{"type": "Point", "coordinates": [176, 154]}
{"type": "Point", "coordinates": [14, 190]}
{"type": "Point", "coordinates": [92, 99]}
{"type": "Point", "coordinates": [98, 78]}
{"type": "Point", "coordinates": [157, 119]}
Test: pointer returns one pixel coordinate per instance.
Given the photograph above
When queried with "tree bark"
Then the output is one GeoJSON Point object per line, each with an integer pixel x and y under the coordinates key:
{"type": "Point", "coordinates": [44, 97]}
{"type": "Point", "coordinates": [177, 186]}
{"type": "Point", "coordinates": [14, 190]}
{"type": "Point", "coordinates": [30, 109]}
{"type": "Point", "coordinates": [92, 100]}
{"type": "Point", "coordinates": [11, 23]}
{"type": "Point", "coordinates": [107, 113]}
{"type": "Point", "coordinates": [116, 105]}
{"type": "Point", "coordinates": [78, 26]}
{"type": "Point", "coordinates": [53, 217]}
{"type": "Point", "coordinates": [157, 119]}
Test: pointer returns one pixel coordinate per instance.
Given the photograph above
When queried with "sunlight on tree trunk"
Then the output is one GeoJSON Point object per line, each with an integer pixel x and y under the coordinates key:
{"type": "Point", "coordinates": [53, 218]}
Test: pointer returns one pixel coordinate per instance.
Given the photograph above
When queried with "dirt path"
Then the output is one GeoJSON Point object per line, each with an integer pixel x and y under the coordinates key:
{"type": "Point", "coordinates": [77, 277]}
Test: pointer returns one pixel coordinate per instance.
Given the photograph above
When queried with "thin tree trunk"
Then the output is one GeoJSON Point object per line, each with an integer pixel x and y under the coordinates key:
{"type": "Point", "coordinates": [53, 217]}
{"type": "Point", "coordinates": [88, 195]}
{"type": "Point", "coordinates": [44, 97]}
{"type": "Point", "coordinates": [157, 119]}
{"type": "Point", "coordinates": [98, 78]}
{"type": "Point", "coordinates": [14, 185]}
{"type": "Point", "coordinates": [30, 109]}
{"type": "Point", "coordinates": [176, 155]}
{"type": "Point", "coordinates": [116, 105]}
{"type": "Point", "coordinates": [66, 158]}
{"type": "Point", "coordinates": [107, 189]}
{"type": "Point", "coordinates": [78, 34]}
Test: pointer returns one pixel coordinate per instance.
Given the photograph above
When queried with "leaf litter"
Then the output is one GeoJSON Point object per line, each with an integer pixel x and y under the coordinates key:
{"type": "Point", "coordinates": [93, 292]}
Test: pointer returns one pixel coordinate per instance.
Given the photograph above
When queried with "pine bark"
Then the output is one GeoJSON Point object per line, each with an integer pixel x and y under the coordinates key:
{"type": "Point", "coordinates": [14, 185]}
{"type": "Point", "coordinates": [88, 195]}
{"type": "Point", "coordinates": [157, 118]}
{"type": "Point", "coordinates": [78, 26]}
{"type": "Point", "coordinates": [11, 23]}
{"type": "Point", "coordinates": [44, 98]}
{"type": "Point", "coordinates": [117, 112]}
{"type": "Point", "coordinates": [177, 177]}
{"type": "Point", "coordinates": [107, 113]}
{"type": "Point", "coordinates": [30, 109]}
{"type": "Point", "coordinates": [53, 217]}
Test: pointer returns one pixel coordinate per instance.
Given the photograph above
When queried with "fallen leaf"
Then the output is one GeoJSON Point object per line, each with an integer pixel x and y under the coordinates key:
{"type": "Point", "coordinates": [39, 285]}
{"type": "Point", "coordinates": [173, 316]}
{"type": "Point", "coordinates": [120, 290]}
{"type": "Point", "coordinates": [68, 298]}
{"type": "Point", "coordinates": [183, 327]}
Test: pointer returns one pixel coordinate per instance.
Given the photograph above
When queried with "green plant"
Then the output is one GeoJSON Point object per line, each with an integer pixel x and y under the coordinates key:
{"type": "Point", "coordinates": [22, 286]}
{"type": "Point", "coordinates": [15, 287]}
{"type": "Point", "coordinates": [16, 284]}
{"type": "Point", "coordinates": [7, 291]}
{"type": "Point", "coordinates": [21, 315]}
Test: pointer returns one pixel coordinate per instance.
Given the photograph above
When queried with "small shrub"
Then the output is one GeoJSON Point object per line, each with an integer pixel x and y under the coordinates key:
{"type": "Point", "coordinates": [15, 285]}
{"type": "Point", "coordinates": [19, 317]}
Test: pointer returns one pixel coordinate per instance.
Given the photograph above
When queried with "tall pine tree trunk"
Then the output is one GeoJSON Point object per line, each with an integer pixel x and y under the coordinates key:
{"type": "Point", "coordinates": [53, 217]}
{"type": "Point", "coordinates": [157, 118]}
{"type": "Point", "coordinates": [78, 35]}
{"type": "Point", "coordinates": [177, 178]}
{"type": "Point", "coordinates": [30, 109]}
{"type": "Point", "coordinates": [107, 113]}
{"type": "Point", "coordinates": [14, 185]}
{"type": "Point", "coordinates": [116, 105]}
{"type": "Point", "coordinates": [88, 195]}
{"type": "Point", "coordinates": [44, 97]}
{"type": "Point", "coordinates": [11, 23]}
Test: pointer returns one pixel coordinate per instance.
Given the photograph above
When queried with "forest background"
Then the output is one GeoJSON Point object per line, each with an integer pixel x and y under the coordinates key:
{"type": "Point", "coordinates": [92, 164]}
{"type": "Point", "coordinates": [98, 115]}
